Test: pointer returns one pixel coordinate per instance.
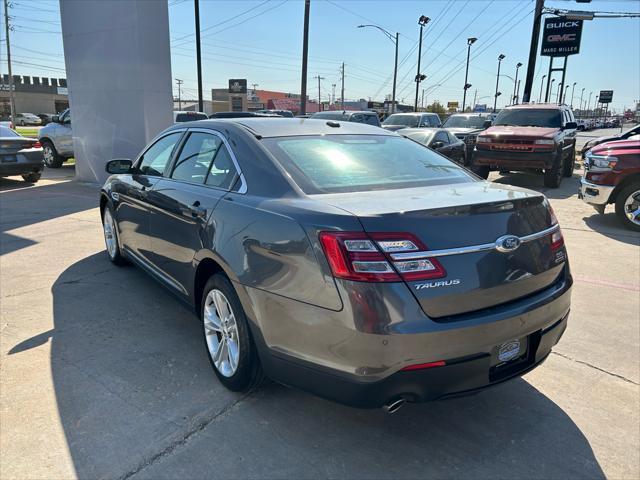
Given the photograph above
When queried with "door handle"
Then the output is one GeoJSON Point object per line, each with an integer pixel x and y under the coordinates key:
{"type": "Point", "coordinates": [197, 211]}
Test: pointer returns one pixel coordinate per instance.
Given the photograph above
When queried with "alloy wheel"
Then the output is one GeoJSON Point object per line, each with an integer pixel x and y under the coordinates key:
{"type": "Point", "coordinates": [221, 333]}
{"type": "Point", "coordinates": [632, 207]}
{"type": "Point", "coordinates": [109, 228]}
{"type": "Point", "coordinates": [47, 154]}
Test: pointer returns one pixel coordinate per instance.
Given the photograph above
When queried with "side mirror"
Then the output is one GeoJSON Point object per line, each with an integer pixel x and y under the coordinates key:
{"type": "Point", "coordinates": [436, 145]}
{"type": "Point", "coordinates": [486, 124]}
{"type": "Point", "coordinates": [120, 165]}
{"type": "Point", "coordinates": [55, 119]}
{"type": "Point", "coordinates": [571, 126]}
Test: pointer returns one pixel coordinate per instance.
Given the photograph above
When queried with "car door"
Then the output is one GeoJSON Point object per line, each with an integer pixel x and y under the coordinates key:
{"type": "Point", "coordinates": [457, 149]}
{"type": "Point", "coordinates": [203, 171]}
{"type": "Point", "coordinates": [64, 135]}
{"type": "Point", "coordinates": [132, 190]}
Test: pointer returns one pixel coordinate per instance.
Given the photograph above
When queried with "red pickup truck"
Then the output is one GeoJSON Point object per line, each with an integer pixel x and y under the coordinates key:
{"type": "Point", "coordinates": [529, 137]}
{"type": "Point", "coordinates": [612, 175]}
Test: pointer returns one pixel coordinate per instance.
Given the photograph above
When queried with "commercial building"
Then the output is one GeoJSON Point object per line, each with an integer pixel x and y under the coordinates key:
{"type": "Point", "coordinates": [33, 95]}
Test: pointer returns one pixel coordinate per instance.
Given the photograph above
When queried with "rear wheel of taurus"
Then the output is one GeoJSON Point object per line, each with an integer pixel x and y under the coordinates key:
{"type": "Point", "coordinates": [230, 348]}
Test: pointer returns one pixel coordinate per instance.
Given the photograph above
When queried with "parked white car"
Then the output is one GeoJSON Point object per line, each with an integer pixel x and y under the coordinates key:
{"type": "Point", "coordinates": [57, 140]}
{"type": "Point", "coordinates": [24, 119]}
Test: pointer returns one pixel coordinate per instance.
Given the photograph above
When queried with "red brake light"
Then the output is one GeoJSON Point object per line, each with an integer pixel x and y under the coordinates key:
{"type": "Point", "coordinates": [422, 366]}
{"type": "Point", "coordinates": [36, 145]}
{"type": "Point", "coordinates": [370, 258]}
{"type": "Point", "coordinates": [557, 240]}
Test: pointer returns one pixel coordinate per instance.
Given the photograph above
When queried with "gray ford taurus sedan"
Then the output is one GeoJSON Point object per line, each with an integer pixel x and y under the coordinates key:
{"type": "Point", "coordinates": [342, 258]}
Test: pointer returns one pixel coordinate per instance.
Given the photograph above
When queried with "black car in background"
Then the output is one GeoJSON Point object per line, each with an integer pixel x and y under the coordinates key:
{"type": "Point", "coordinates": [440, 140]}
{"type": "Point", "coordinates": [280, 113]}
{"type": "Point", "coordinates": [398, 121]}
{"type": "Point", "coordinates": [20, 156]}
{"type": "Point", "coordinates": [467, 126]}
{"type": "Point", "coordinates": [368, 117]}
{"type": "Point", "coordinates": [45, 117]}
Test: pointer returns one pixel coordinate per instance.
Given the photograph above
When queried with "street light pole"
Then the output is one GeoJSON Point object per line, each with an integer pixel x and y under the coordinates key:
{"type": "Point", "coordinates": [422, 21]}
{"type": "Point", "coordinates": [515, 83]}
{"type": "Point", "coordinates": [533, 51]}
{"type": "Point", "coordinates": [395, 39]}
{"type": "Point", "coordinates": [470, 41]}
{"type": "Point", "coordinates": [495, 99]}
{"type": "Point", "coordinates": [589, 102]}
{"type": "Point", "coordinates": [564, 96]}
{"type": "Point", "coordinates": [541, 85]}
{"type": "Point", "coordinates": [581, 95]}
{"type": "Point", "coordinates": [305, 55]}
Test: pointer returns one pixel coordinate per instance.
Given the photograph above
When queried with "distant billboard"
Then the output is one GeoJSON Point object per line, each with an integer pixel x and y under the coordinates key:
{"type": "Point", "coordinates": [238, 85]}
{"type": "Point", "coordinates": [561, 37]}
{"type": "Point", "coordinates": [452, 104]}
{"type": "Point", "coordinates": [606, 96]}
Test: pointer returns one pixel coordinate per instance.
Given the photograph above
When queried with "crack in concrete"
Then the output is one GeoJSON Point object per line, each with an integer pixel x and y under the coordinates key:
{"type": "Point", "coordinates": [621, 377]}
{"type": "Point", "coordinates": [183, 439]}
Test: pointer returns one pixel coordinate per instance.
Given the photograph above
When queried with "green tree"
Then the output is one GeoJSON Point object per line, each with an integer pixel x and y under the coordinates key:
{"type": "Point", "coordinates": [436, 107]}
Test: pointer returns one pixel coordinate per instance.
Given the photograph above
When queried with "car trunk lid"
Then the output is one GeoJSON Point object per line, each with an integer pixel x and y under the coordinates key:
{"type": "Point", "coordinates": [463, 224]}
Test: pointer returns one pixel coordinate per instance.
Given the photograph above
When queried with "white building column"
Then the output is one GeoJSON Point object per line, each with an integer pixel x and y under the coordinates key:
{"type": "Point", "coordinates": [119, 78]}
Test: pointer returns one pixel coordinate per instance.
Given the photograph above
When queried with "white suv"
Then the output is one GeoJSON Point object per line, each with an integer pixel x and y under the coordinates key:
{"type": "Point", "coordinates": [57, 140]}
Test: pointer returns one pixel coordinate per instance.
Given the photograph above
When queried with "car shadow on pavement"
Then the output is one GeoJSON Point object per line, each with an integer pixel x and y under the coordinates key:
{"type": "Point", "coordinates": [23, 204]}
{"type": "Point", "coordinates": [568, 187]}
{"type": "Point", "coordinates": [610, 225]}
{"type": "Point", "coordinates": [137, 397]}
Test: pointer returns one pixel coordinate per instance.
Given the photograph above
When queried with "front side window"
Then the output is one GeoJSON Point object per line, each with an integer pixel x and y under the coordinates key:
{"type": "Point", "coordinates": [195, 158]}
{"type": "Point", "coordinates": [154, 161]}
{"type": "Point", "coordinates": [360, 163]}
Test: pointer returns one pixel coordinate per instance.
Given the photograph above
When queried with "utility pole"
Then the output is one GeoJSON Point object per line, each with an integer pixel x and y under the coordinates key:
{"type": "Point", "coordinates": [12, 97]}
{"type": "Point", "coordinates": [179, 82]}
{"type": "Point", "coordinates": [342, 88]}
{"type": "Point", "coordinates": [305, 55]}
{"type": "Point", "coordinates": [319, 98]}
{"type": "Point", "coordinates": [470, 41]}
{"type": "Point", "coordinates": [422, 21]}
{"type": "Point", "coordinates": [196, 6]}
{"type": "Point", "coordinates": [422, 101]}
{"type": "Point", "coordinates": [517, 99]}
{"type": "Point", "coordinates": [475, 95]}
{"type": "Point", "coordinates": [333, 93]}
{"type": "Point", "coordinates": [533, 51]}
{"type": "Point", "coordinates": [254, 85]}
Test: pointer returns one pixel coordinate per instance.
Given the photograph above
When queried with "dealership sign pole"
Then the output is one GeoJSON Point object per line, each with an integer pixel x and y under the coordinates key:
{"type": "Point", "coordinates": [560, 38]}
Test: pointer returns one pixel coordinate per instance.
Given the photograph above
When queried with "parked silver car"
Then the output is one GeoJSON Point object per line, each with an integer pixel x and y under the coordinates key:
{"type": "Point", "coordinates": [57, 140]}
{"type": "Point", "coordinates": [24, 119]}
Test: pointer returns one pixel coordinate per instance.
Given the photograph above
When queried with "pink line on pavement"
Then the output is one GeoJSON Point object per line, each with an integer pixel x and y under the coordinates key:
{"type": "Point", "coordinates": [606, 283]}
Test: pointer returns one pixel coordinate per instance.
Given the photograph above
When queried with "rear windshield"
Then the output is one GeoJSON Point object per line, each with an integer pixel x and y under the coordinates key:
{"type": "Point", "coordinates": [465, 122]}
{"type": "Point", "coordinates": [7, 132]}
{"type": "Point", "coordinates": [360, 163]}
{"type": "Point", "coordinates": [189, 117]}
{"type": "Point", "coordinates": [400, 119]}
{"type": "Point", "coordinates": [530, 117]}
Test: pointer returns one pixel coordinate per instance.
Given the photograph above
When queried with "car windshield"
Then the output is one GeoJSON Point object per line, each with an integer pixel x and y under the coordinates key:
{"type": "Point", "coordinates": [360, 163]}
{"type": "Point", "coordinates": [7, 132]}
{"type": "Point", "coordinates": [529, 117]}
{"type": "Point", "coordinates": [401, 119]}
{"type": "Point", "coordinates": [463, 121]}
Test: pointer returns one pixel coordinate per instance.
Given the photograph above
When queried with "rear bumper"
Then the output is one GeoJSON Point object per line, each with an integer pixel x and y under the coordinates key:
{"type": "Point", "coordinates": [513, 160]}
{"type": "Point", "coordinates": [362, 366]}
{"type": "Point", "coordinates": [595, 194]}
{"type": "Point", "coordinates": [24, 165]}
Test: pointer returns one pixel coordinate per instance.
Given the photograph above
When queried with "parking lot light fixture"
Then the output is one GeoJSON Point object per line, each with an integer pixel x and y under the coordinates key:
{"type": "Point", "coordinates": [470, 41]}
{"type": "Point", "coordinates": [541, 86]}
{"type": "Point", "coordinates": [515, 83]}
{"type": "Point", "coordinates": [395, 40]}
{"type": "Point", "coordinates": [422, 21]}
{"type": "Point", "coordinates": [495, 98]}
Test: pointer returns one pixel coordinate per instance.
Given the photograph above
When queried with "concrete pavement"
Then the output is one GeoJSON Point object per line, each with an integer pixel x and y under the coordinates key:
{"type": "Point", "coordinates": [104, 374]}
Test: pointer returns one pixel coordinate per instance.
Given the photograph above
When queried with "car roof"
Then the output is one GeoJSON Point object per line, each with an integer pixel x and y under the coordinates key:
{"type": "Point", "coordinates": [289, 127]}
{"type": "Point", "coordinates": [413, 113]}
{"type": "Point", "coordinates": [470, 114]}
{"type": "Point", "coordinates": [345, 112]}
{"type": "Point", "coordinates": [405, 131]}
{"type": "Point", "coordinates": [549, 106]}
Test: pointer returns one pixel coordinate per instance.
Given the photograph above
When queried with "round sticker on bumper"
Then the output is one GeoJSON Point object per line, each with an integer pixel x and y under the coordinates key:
{"type": "Point", "coordinates": [509, 351]}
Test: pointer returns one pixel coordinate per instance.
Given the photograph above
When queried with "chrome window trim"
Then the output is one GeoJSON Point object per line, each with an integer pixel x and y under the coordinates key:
{"type": "Point", "coordinates": [471, 249]}
{"type": "Point", "coordinates": [243, 183]}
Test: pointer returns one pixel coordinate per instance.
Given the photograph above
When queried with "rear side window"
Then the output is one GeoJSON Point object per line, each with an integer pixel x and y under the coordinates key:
{"type": "Point", "coordinates": [442, 137]}
{"type": "Point", "coordinates": [433, 121]}
{"type": "Point", "coordinates": [155, 159]}
{"type": "Point", "coordinates": [204, 159]}
{"type": "Point", "coordinates": [372, 120]}
{"type": "Point", "coordinates": [359, 163]}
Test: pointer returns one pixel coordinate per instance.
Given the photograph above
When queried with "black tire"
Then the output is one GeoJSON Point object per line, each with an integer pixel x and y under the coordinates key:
{"type": "Point", "coordinates": [32, 177]}
{"type": "Point", "coordinates": [50, 155]}
{"type": "Point", "coordinates": [553, 175]}
{"type": "Point", "coordinates": [481, 171]}
{"type": "Point", "coordinates": [22, 124]}
{"type": "Point", "coordinates": [621, 199]}
{"type": "Point", "coordinates": [248, 374]}
{"type": "Point", "coordinates": [569, 164]}
{"type": "Point", "coordinates": [115, 255]}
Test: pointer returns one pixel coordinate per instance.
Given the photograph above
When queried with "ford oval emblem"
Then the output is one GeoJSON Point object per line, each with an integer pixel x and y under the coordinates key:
{"type": "Point", "coordinates": [508, 243]}
{"type": "Point", "coordinates": [509, 351]}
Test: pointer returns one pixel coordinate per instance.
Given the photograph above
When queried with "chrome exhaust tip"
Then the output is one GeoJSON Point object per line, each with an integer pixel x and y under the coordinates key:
{"type": "Point", "coordinates": [394, 406]}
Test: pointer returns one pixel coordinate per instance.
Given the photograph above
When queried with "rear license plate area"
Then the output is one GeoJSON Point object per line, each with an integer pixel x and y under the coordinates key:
{"type": "Point", "coordinates": [510, 357]}
{"type": "Point", "coordinates": [8, 158]}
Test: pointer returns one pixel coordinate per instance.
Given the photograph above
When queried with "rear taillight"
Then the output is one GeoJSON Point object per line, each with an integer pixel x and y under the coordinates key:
{"type": "Point", "coordinates": [369, 257]}
{"type": "Point", "coordinates": [557, 240]}
{"type": "Point", "coordinates": [35, 144]}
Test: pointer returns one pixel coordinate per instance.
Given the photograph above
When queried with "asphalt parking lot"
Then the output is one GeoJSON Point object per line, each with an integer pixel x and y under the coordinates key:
{"type": "Point", "coordinates": [104, 374]}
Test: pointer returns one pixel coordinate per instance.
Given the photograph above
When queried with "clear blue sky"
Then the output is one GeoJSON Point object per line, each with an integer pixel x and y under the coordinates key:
{"type": "Point", "coordinates": [262, 41]}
